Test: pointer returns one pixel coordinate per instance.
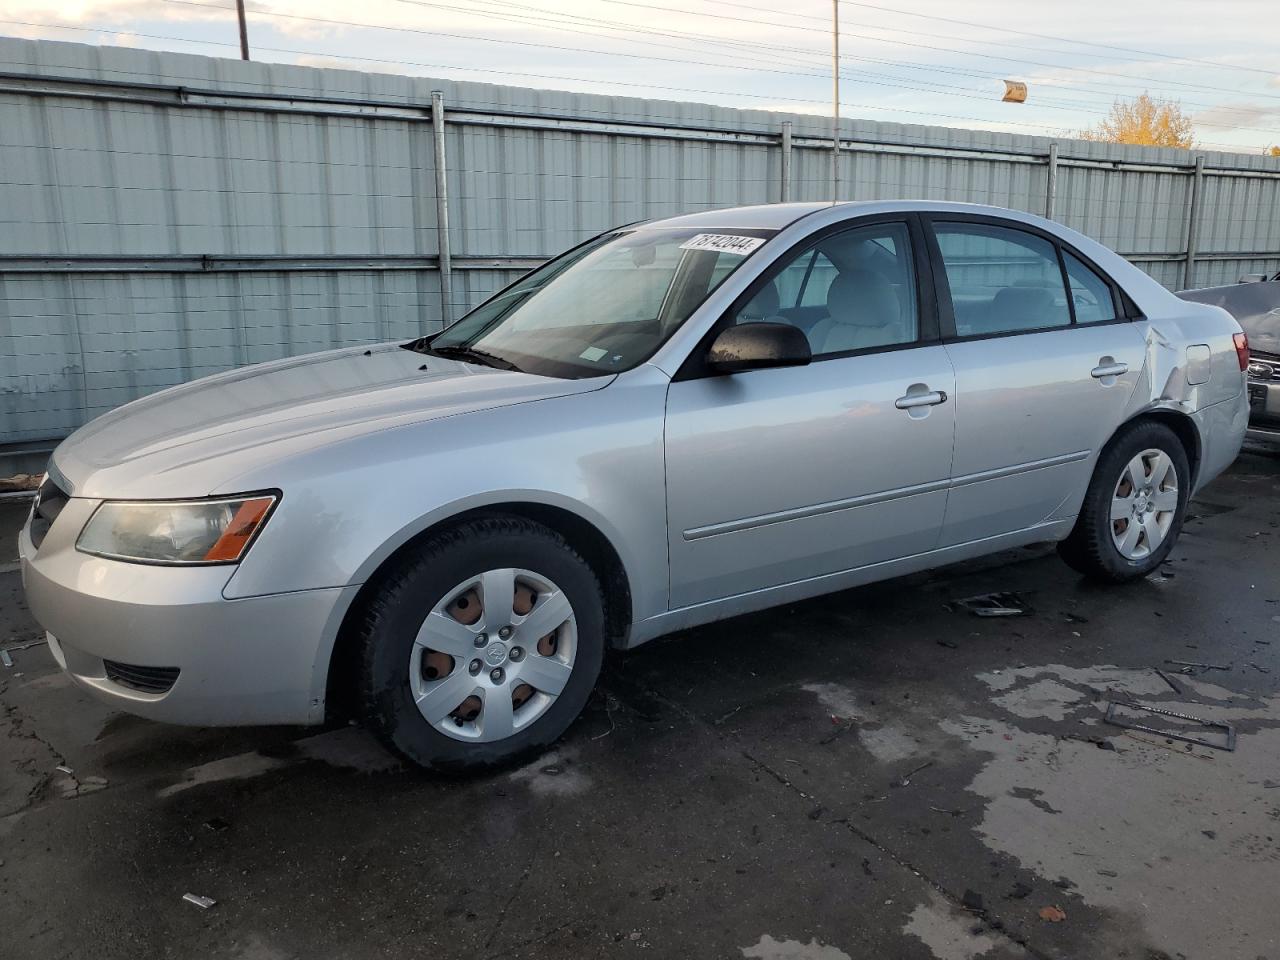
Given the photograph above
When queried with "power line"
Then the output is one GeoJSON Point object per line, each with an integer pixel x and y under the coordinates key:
{"type": "Point", "coordinates": [1177, 58]}
{"type": "Point", "coordinates": [1109, 91]}
{"type": "Point", "coordinates": [513, 73]}
{"type": "Point", "coordinates": [925, 46]}
{"type": "Point", "coordinates": [773, 97]}
{"type": "Point", "coordinates": [1045, 36]}
{"type": "Point", "coordinates": [973, 95]}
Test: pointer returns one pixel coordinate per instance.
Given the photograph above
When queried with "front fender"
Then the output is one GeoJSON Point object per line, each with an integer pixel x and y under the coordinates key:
{"type": "Point", "coordinates": [347, 507]}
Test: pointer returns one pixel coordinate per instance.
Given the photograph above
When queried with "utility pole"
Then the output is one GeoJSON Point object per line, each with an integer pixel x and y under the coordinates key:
{"type": "Point", "coordinates": [835, 100]}
{"type": "Point", "coordinates": [244, 31]}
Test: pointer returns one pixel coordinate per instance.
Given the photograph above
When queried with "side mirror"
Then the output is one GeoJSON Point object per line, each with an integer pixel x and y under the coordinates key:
{"type": "Point", "coordinates": [757, 346]}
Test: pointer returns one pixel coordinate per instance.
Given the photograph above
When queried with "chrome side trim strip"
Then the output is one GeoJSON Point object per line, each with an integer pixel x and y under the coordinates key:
{"type": "Point", "coordinates": [817, 509]}
{"type": "Point", "coordinates": [1028, 467]}
{"type": "Point", "coordinates": [884, 496]}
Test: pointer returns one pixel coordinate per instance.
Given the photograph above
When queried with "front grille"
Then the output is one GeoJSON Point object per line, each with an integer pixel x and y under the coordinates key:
{"type": "Point", "coordinates": [144, 679]}
{"type": "Point", "coordinates": [50, 499]}
{"type": "Point", "coordinates": [1264, 368]}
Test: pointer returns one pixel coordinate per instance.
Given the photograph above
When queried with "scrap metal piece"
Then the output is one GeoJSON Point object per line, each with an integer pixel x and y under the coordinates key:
{"type": "Point", "coordinates": [1127, 724]}
{"type": "Point", "coordinates": [1193, 663]}
{"type": "Point", "coordinates": [1169, 680]}
{"type": "Point", "coordinates": [5, 658]}
{"type": "Point", "coordinates": [204, 903]}
{"type": "Point", "coordinates": [993, 605]}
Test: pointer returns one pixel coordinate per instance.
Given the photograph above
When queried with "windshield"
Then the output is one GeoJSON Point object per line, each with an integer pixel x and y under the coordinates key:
{"type": "Point", "coordinates": [603, 307]}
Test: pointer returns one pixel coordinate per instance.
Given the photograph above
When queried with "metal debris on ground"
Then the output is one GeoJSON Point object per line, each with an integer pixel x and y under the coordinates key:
{"type": "Point", "coordinates": [1191, 664]}
{"type": "Point", "coordinates": [1053, 914]}
{"type": "Point", "coordinates": [1169, 680]}
{"type": "Point", "coordinates": [906, 781]}
{"type": "Point", "coordinates": [1127, 723]}
{"type": "Point", "coordinates": [5, 658]}
{"type": "Point", "coordinates": [204, 903]}
{"type": "Point", "coordinates": [1258, 668]}
{"type": "Point", "coordinates": [1002, 604]}
{"type": "Point", "coordinates": [216, 824]}
{"type": "Point", "coordinates": [63, 768]}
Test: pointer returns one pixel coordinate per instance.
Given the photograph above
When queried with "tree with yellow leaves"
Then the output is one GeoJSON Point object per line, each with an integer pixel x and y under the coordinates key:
{"type": "Point", "coordinates": [1271, 152]}
{"type": "Point", "coordinates": [1144, 121]}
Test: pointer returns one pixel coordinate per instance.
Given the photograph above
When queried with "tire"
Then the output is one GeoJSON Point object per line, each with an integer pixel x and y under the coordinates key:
{"type": "Point", "coordinates": [397, 672]}
{"type": "Point", "coordinates": [1096, 546]}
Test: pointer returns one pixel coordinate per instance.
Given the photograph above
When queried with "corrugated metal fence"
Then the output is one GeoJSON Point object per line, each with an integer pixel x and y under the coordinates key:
{"type": "Point", "coordinates": [164, 216]}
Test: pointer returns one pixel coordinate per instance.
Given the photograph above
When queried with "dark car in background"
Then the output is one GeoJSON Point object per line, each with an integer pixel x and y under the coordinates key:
{"type": "Point", "coordinates": [1255, 303]}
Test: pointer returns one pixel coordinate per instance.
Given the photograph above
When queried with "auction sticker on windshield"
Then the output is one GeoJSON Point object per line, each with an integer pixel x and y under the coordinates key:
{"type": "Point", "coordinates": [722, 243]}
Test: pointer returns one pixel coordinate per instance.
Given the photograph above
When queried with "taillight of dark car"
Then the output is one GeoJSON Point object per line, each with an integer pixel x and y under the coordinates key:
{"type": "Point", "coordinates": [1242, 349]}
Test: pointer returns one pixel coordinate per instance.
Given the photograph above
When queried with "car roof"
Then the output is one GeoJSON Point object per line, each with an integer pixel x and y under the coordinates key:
{"type": "Point", "coordinates": [765, 216]}
{"type": "Point", "coordinates": [775, 216]}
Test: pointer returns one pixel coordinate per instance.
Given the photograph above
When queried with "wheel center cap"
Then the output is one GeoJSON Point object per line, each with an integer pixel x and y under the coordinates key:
{"type": "Point", "coordinates": [495, 655]}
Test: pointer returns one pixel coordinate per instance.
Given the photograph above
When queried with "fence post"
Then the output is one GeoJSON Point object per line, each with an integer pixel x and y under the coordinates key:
{"type": "Point", "coordinates": [1193, 223]}
{"type": "Point", "coordinates": [1051, 184]}
{"type": "Point", "coordinates": [443, 251]}
{"type": "Point", "coordinates": [784, 195]}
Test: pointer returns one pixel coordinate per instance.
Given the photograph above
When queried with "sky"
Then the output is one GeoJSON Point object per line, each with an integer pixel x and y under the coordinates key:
{"type": "Point", "coordinates": [913, 61]}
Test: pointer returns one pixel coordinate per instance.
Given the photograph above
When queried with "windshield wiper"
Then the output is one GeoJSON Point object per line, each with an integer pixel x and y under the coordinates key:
{"type": "Point", "coordinates": [481, 357]}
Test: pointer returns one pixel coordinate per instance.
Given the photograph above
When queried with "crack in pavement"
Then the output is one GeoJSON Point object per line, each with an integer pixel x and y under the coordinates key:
{"type": "Point", "coordinates": [19, 729]}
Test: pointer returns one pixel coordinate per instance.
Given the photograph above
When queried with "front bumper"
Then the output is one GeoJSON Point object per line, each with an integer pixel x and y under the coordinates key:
{"type": "Point", "coordinates": [259, 660]}
{"type": "Point", "coordinates": [1264, 412]}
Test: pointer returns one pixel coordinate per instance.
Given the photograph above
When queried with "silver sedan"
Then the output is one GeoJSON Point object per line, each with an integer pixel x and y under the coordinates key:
{"type": "Point", "coordinates": [672, 423]}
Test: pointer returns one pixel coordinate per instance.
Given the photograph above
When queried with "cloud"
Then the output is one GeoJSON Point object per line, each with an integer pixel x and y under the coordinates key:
{"type": "Point", "coordinates": [1241, 115]}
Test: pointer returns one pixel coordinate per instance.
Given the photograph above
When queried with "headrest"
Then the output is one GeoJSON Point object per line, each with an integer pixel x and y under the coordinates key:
{"type": "Point", "coordinates": [863, 298]}
{"type": "Point", "coordinates": [1017, 307]}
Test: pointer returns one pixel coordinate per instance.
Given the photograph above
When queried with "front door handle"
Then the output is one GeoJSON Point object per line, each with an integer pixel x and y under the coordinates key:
{"type": "Point", "coordinates": [1104, 370]}
{"type": "Point", "coordinates": [912, 400]}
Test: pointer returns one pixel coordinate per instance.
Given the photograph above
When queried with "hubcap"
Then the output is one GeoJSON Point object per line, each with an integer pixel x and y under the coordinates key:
{"type": "Point", "coordinates": [1144, 504]}
{"type": "Point", "coordinates": [493, 655]}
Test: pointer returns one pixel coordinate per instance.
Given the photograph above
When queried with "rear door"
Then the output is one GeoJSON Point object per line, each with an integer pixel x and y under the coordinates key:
{"type": "Point", "coordinates": [1045, 363]}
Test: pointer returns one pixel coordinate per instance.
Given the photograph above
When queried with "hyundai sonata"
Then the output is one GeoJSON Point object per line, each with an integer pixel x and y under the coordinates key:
{"type": "Point", "coordinates": [671, 423]}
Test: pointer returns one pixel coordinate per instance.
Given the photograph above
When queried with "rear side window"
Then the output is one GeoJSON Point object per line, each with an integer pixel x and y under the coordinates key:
{"type": "Point", "coordinates": [1002, 280]}
{"type": "Point", "coordinates": [1090, 294]}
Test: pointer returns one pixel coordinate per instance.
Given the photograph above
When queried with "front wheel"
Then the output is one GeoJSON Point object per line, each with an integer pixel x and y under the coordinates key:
{"type": "Point", "coordinates": [1133, 510]}
{"type": "Point", "coordinates": [482, 646]}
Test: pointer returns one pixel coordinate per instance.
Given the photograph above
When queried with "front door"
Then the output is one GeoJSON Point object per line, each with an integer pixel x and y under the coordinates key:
{"type": "Point", "coordinates": [782, 475]}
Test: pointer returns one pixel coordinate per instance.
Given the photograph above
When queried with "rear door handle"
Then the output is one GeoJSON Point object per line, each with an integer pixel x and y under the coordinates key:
{"type": "Point", "coordinates": [912, 400]}
{"type": "Point", "coordinates": [1109, 370]}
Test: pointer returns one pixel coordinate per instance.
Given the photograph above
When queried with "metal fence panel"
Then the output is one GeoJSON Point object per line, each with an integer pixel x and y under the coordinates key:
{"type": "Point", "coordinates": [164, 216]}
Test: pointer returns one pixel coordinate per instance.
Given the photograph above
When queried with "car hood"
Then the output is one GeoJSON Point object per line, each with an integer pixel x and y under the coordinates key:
{"type": "Point", "coordinates": [191, 440]}
{"type": "Point", "coordinates": [1256, 307]}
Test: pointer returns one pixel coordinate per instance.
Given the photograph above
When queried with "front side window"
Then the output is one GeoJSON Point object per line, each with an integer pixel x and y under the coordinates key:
{"type": "Point", "coordinates": [1090, 294]}
{"type": "Point", "coordinates": [604, 307]}
{"type": "Point", "coordinates": [1002, 280]}
{"type": "Point", "coordinates": [854, 290]}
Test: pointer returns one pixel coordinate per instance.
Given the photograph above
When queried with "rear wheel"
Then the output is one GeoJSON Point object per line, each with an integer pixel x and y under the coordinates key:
{"type": "Point", "coordinates": [1133, 510]}
{"type": "Point", "coordinates": [482, 646]}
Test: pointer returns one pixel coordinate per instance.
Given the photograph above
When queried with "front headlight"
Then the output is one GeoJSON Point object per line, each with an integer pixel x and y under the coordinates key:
{"type": "Point", "coordinates": [179, 532]}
